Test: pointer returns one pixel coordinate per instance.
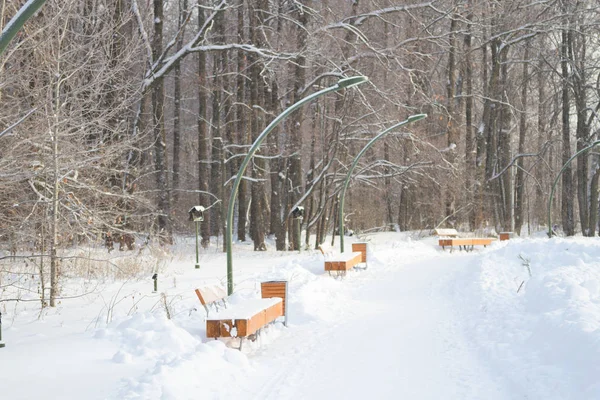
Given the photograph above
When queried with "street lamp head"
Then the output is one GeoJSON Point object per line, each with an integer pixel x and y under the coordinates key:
{"type": "Point", "coordinates": [416, 117]}
{"type": "Point", "coordinates": [352, 81]}
{"type": "Point", "coordinates": [298, 212]}
{"type": "Point", "coordinates": [196, 214]}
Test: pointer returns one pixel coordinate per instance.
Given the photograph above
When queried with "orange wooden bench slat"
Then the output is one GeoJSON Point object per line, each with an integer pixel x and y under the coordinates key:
{"type": "Point", "coordinates": [482, 241]}
{"type": "Point", "coordinates": [360, 247]}
{"type": "Point", "coordinates": [465, 242]}
{"type": "Point", "coordinates": [243, 327]}
{"type": "Point", "coordinates": [338, 265]}
{"type": "Point", "coordinates": [275, 289]}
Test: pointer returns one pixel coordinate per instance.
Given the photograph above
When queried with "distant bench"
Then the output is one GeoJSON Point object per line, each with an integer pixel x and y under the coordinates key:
{"type": "Point", "coordinates": [243, 319]}
{"type": "Point", "coordinates": [465, 243]}
{"type": "Point", "coordinates": [342, 262]}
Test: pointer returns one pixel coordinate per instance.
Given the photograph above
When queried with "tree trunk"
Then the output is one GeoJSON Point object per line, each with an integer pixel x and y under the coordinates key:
{"type": "Point", "coordinates": [216, 186]}
{"type": "Point", "coordinates": [452, 131]}
{"type": "Point", "coordinates": [594, 201]}
{"type": "Point", "coordinates": [505, 186]}
{"type": "Point", "coordinates": [203, 140]}
{"type": "Point", "coordinates": [540, 197]}
{"type": "Point", "coordinates": [177, 108]}
{"type": "Point", "coordinates": [567, 176]}
{"type": "Point", "coordinates": [470, 172]}
{"type": "Point", "coordinates": [520, 176]}
{"type": "Point", "coordinates": [578, 57]}
{"type": "Point", "coordinates": [257, 223]}
{"type": "Point", "coordinates": [296, 119]}
{"type": "Point", "coordinates": [243, 131]}
{"type": "Point", "coordinates": [277, 164]}
{"type": "Point", "coordinates": [160, 143]}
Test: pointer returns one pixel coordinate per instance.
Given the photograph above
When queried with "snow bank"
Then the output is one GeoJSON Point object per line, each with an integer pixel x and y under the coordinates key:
{"type": "Point", "coordinates": [541, 332]}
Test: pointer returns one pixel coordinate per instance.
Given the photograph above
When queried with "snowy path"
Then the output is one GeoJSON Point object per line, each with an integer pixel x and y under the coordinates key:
{"type": "Point", "coordinates": [400, 340]}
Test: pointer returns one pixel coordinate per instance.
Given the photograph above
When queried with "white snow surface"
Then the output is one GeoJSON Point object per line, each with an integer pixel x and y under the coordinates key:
{"type": "Point", "coordinates": [516, 320]}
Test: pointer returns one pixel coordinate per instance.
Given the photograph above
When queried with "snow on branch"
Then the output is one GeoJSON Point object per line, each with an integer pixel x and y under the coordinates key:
{"type": "Point", "coordinates": [357, 20]}
{"type": "Point", "coordinates": [170, 62]}
{"type": "Point", "coordinates": [539, 154]}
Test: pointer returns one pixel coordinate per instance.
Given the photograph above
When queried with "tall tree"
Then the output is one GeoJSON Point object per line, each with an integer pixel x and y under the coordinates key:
{"type": "Point", "coordinates": [160, 141]}
{"type": "Point", "coordinates": [203, 136]}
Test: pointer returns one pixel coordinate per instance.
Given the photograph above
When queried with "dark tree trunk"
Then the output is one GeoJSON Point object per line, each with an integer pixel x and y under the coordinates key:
{"type": "Point", "coordinates": [257, 224]}
{"type": "Point", "coordinates": [243, 131]}
{"type": "Point", "coordinates": [594, 201]}
{"type": "Point", "coordinates": [567, 176]}
{"type": "Point", "coordinates": [177, 107]}
{"type": "Point", "coordinates": [520, 175]}
{"type": "Point", "coordinates": [540, 197]}
{"type": "Point", "coordinates": [216, 186]}
{"type": "Point", "coordinates": [504, 187]}
{"type": "Point", "coordinates": [452, 131]}
{"type": "Point", "coordinates": [470, 167]}
{"type": "Point", "coordinates": [160, 142]}
{"type": "Point", "coordinates": [296, 119]}
{"type": "Point", "coordinates": [203, 140]}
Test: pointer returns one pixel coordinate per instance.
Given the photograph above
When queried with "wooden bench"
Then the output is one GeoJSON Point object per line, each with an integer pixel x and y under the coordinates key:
{"type": "Point", "coordinates": [506, 235]}
{"type": "Point", "coordinates": [465, 243]}
{"type": "Point", "coordinates": [445, 232]}
{"type": "Point", "coordinates": [245, 319]}
{"type": "Point", "coordinates": [342, 262]}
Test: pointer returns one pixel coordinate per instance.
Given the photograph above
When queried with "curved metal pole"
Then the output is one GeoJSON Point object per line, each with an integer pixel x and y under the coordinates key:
{"type": "Point", "coordinates": [597, 142]}
{"type": "Point", "coordinates": [17, 22]}
{"type": "Point", "coordinates": [343, 83]}
{"type": "Point", "coordinates": [410, 119]}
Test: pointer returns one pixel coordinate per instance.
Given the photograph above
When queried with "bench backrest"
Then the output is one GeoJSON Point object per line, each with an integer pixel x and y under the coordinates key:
{"type": "Point", "coordinates": [446, 232]}
{"type": "Point", "coordinates": [209, 295]}
{"type": "Point", "coordinates": [360, 247]}
{"type": "Point", "coordinates": [276, 289]}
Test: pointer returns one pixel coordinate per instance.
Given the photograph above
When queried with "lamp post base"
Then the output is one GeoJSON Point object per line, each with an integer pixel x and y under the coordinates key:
{"type": "Point", "coordinates": [1, 345]}
{"type": "Point", "coordinates": [197, 266]}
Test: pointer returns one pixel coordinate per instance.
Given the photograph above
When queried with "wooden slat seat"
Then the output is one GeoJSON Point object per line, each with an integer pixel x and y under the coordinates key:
{"type": "Point", "coordinates": [244, 319]}
{"type": "Point", "coordinates": [466, 243]}
{"type": "Point", "coordinates": [345, 261]}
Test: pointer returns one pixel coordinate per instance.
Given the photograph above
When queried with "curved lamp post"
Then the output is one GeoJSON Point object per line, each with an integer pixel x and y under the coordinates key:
{"type": "Point", "coordinates": [342, 84]}
{"type": "Point", "coordinates": [597, 142]}
{"type": "Point", "coordinates": [410, 119]}
{"type": "Point", "coordinates": [17, 22]}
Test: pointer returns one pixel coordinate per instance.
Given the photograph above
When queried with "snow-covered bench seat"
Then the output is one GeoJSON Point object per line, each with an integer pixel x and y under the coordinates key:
{"type": "Point", "coordinates": [465, 243]}
{"type": "Point", "coordinates": [346, 261]}
{"type": "Point", "coordinates": [243, 319]}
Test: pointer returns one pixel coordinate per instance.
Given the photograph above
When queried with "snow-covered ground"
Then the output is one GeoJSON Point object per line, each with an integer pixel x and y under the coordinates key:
{"type": "Point", "coordinates": [517, 320]}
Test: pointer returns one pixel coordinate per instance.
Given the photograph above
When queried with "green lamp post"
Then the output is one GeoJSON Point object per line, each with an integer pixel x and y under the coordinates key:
{"type": "Point", "coordinates": [196, 214]}
{"type": "Point", "coordinates": [342, 84]}
{"type": "Point", "coordinates": [585, 149]}
{"type": "Point", "coordinates": [17, 22]}
{"type": "Point", "coordinates": [410, 119]}
{"type": "Point", "coordinates": [1, 344]}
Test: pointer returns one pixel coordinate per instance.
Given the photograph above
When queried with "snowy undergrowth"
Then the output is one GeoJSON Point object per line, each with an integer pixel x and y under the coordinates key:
{"type": "Point", "coordinates": [540, 331]}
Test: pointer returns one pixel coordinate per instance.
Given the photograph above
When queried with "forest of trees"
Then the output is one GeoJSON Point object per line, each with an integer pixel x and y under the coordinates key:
{"type": "Point", "coordinates": [118, 116]}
